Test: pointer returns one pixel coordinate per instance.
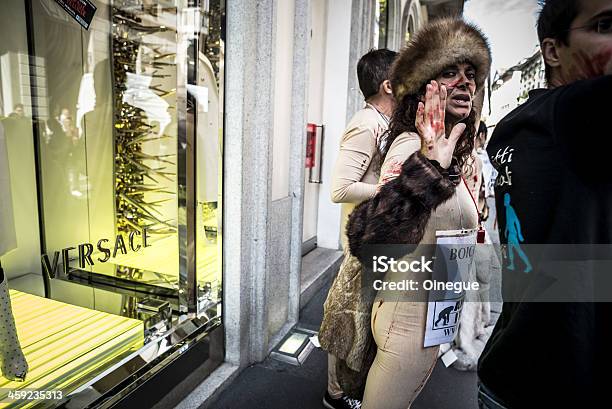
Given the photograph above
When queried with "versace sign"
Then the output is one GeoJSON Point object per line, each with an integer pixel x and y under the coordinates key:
{"type": "Point", "coordinates": [85, 252]}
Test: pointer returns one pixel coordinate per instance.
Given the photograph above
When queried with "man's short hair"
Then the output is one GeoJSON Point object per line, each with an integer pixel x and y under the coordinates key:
{"type": "Point", "coordinates": [374, 68]}
{"type": "Point", "coordinates": [481, 134]}
{"type": "Point", "coordinates": [554, 22]}
{"type": "Point", "coordinates": [482, 129]}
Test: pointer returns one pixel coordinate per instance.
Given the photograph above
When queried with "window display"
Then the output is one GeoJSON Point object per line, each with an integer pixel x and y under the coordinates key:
{"type": "Point", "coordinates": [111, 237]}
{"type": "Point", "coordinates": [13, 364]}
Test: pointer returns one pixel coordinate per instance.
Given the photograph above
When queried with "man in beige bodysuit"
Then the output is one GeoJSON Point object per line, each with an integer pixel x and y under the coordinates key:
{"type": "Point", "coordinates": [355, 175]}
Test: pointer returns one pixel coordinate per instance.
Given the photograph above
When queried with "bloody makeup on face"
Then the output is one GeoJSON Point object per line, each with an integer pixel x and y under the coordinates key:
{"type": "Point", "coordinates": [588, 53]}
{"type": "Point", "coordinates": [460, 83]}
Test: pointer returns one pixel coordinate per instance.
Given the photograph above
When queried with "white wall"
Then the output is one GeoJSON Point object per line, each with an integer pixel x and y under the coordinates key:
{"type": "Point", "coordinates": [316, 86]}
{"type": "Point", "coordinates": [505, 98]}
{"type": "Point", "coordinates": [334, 114]}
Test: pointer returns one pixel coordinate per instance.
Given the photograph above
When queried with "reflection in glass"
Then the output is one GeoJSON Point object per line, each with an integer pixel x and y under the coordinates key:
{"type": "Point", "coordinates": [209, 166]}
{"type": "Point", "coordinates": [145, 132]}
{"type": "Point", "coordinates": [382, 24]}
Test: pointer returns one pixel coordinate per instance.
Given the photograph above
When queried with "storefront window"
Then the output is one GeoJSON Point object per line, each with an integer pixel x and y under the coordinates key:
{"type": "Point", "coordinates": [113, 155]}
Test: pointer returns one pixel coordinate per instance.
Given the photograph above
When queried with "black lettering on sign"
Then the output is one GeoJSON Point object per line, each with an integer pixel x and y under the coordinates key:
{"type": "Point", "coordinates": [119, 245]}
{"type": "Point", "coordinates": [50, 269]}
{"type": "Point", "coordinates": [85, 251]}
{"type": "Point", "coordinates": [80, 10]}
{"type": "Point", "coordinates": [132, 234]}
{"type": "Point", "coordinates": [66, 259]}
{"type": "Point", "coordinates": [102, 249]}
{"type": "Point", "coordinates": [461, 253]}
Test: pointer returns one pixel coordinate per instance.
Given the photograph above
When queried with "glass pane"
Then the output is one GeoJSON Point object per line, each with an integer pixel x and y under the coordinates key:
{"type": "Point", "coordinates": [145, 189]}
{"type": "Point", "coordinates": [209, 165]}
{"type": "Point", "coordinates": [19, 236]}
{"type": "Point", "coordinates": [108, 153]}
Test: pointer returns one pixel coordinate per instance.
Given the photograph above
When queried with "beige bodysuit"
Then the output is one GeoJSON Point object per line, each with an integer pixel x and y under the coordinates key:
{"type": "Point", "coordinates": [402, 365]}
{"type": "Point", "coordinates": [355, 175]}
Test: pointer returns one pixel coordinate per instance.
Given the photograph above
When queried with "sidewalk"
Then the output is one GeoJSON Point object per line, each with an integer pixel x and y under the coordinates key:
{"type": "Point", "coordinates": [276, 385]}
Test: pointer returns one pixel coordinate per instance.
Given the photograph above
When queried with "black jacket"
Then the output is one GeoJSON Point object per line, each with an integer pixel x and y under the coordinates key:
{"type": "Point", "coordinates": [553, 157]}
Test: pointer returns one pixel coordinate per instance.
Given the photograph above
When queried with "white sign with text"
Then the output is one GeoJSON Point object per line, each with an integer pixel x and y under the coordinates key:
{"type": "Point", "coordinates": [454, 258]}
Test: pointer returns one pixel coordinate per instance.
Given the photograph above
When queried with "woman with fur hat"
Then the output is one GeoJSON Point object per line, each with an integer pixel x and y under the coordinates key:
{"type": "Point", "coordinates": [426, 155]}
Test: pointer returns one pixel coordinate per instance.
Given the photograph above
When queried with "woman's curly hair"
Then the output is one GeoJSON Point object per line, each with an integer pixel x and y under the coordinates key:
{"type": "Point", "coordinates": [403, 120]}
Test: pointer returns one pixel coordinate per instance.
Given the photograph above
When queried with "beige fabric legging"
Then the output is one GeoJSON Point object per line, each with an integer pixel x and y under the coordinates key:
{"type": "Point", "coordinates": [333, 386]}
{"type": "Point", "coordinates": [402, 364]}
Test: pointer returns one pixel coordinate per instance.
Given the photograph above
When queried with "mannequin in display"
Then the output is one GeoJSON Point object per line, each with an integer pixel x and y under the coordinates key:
{"type": "Point", "coordinates": [12, 361]}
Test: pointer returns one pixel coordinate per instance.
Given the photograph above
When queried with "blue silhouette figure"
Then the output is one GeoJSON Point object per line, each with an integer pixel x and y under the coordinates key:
{"type": "Point", "coordinates": [514, 236]}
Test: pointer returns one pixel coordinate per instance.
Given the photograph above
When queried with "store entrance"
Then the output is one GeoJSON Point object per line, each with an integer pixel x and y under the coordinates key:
{"type": "Point", "coordinates": [316, 73]}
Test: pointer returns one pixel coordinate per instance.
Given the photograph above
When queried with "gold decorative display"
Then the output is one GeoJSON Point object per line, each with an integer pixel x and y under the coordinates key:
{"type": "Point", "coordinates": [134, 175]}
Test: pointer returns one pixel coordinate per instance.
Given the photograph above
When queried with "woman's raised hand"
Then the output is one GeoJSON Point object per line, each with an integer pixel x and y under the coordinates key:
{"type": "Point", "coordinates": [430, 125]}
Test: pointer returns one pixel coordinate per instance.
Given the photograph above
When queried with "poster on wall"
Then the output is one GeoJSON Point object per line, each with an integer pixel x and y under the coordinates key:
{"type": "Point", "coordinates": [80, 10]}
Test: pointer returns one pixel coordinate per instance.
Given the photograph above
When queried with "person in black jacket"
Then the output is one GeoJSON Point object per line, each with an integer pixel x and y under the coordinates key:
{"type": "Point", "coordinates": [552, 156]}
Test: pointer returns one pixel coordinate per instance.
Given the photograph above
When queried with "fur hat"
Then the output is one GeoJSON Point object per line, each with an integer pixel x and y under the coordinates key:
{"type": "Point", "coordinates": [436, 46]}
